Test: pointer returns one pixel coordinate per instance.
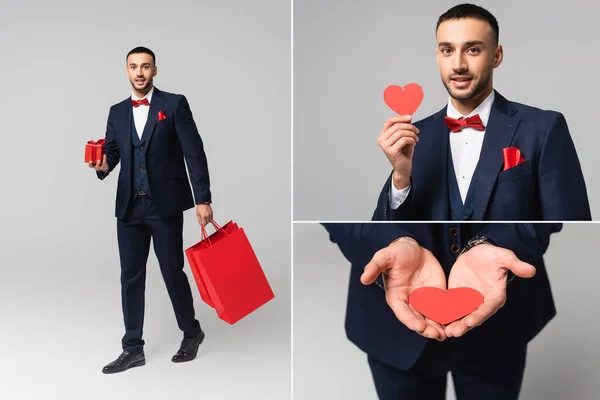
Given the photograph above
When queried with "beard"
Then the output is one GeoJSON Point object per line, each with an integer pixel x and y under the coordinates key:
{"type": "Point", "coordinates": [147, 84]}
{"type": "Point", "coordinates": [478, 86]}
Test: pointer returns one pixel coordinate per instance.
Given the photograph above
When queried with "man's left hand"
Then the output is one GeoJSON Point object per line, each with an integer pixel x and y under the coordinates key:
{"type": "Point", "coordinates": [204, 213]}
{"type": "Point", "coordinates": [484, 268]}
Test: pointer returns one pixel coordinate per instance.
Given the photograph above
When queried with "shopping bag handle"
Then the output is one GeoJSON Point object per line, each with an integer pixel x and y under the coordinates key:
{"type": "Point", "coordinates": [217, 227]}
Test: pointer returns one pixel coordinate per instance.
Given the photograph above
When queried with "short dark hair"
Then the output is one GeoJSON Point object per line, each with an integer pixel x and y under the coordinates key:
{"type": "Point", "coordinates": [141, 49]}
{"type": "Point", "coordinates": [468, 10]}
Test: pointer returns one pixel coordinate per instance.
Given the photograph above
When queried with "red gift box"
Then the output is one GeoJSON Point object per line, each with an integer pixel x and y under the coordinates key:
{"type": "Point", "coordinates": [94, 151]}
{"type": "Point", "coordinates": [228, 274]}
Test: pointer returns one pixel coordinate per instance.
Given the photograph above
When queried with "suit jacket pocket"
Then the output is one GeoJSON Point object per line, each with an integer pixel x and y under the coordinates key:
{"type": "Point", "coordinates": [514, 171]}
{"type": "Point", "coordinates": [162, 124]}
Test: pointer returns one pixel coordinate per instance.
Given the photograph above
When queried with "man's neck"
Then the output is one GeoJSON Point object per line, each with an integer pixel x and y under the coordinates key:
{"type": "Point", "coordinates": [465, 107]}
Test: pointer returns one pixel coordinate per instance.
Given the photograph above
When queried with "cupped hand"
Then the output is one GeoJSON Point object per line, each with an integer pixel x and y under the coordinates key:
{"type": "Point", "coordinates": [484, 268]}
{"type": "Point", "coordinates": [407, 266]}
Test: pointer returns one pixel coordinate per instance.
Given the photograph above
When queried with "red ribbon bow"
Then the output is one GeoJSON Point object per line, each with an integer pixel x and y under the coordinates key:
{"type": "Point", "coordinates": [137, 103]}
{"type": "Point", "coordinates": [456, 125]}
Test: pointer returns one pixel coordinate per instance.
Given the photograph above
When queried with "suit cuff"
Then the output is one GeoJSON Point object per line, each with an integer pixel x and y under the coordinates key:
{"type": "Point", "coordinates": [202, 196]}
{"type": "Point", "coordinates": [397, 196]}
{"type": "Point", "coordinates": [101, 174]}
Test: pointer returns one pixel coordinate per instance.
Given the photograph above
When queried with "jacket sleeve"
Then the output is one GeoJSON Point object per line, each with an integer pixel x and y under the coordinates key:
{"type": "Point", "coordinates": [529, 242]}
{"type": "Point", "coordinates": [562, 188]}
{"type": "Point", "coordinates": [110, 147]}
{"type": "Point", "coordinates": [193, 151]}
{"type": "Point", "coordinates": [384, 212]}
{"type": "Point", "coordinates": [358, 242]}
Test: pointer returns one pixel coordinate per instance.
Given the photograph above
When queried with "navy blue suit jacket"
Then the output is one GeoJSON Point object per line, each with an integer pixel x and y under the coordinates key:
{"type": "Point", "coordinates": [170, 142]}
{"type": "Point", "coordinates": [548, 186]}
{"type": "Point", "coordinates": [372, 326]}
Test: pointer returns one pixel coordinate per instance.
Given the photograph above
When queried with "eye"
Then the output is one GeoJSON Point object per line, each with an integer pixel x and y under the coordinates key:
{"type": "Point", "coordinates": [446, 50]}
{"type": "Point", "coordinates": [474, 50]}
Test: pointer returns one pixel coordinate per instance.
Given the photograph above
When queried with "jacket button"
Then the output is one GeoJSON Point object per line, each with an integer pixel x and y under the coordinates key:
{"type": "Point", "coordinates": [453, 232]}
{"type": "Point", "coordinates": [454, 248]}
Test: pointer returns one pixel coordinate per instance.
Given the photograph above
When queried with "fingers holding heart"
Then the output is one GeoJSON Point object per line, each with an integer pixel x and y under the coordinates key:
{"type": "Point", "coordinates": [414, 320]}
{"type": "Point", "coordinates": [476, 318]}
{"type": "Point", "coordinates": [440, 329]}
{"type": "Point", "coordinates": [403, 312]}
{"type": "Point", "coordinates": [398, 119]}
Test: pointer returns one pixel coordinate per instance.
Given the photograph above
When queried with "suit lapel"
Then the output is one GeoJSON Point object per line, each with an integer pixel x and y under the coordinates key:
{"type": "Point", "coordinates": [156, 105]}
{"type": "Point", "coordinates": [124, 121]}
{"type": "Point", "coordinates": [499, 133]}
{"type": "Point", "coordinates": [437, 163]}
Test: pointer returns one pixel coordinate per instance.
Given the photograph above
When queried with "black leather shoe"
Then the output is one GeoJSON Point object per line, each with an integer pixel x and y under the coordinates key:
{"type": "Point", "coordinates": [126, 360]}
{"type": "Point", "coordinates": [188, 349]}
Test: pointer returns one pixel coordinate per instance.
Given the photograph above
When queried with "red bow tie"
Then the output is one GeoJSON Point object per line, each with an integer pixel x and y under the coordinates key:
{"type": "Point", "coordinates": [456, 125]}
{"type": "Point", "coordinates": [137, 103]}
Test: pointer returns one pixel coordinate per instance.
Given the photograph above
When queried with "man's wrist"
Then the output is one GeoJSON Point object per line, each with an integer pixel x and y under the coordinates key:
{"type": "Point", "coordinates": [405, 239]}
{"type": "Point", "coordinates": [482, 239]}
{"type": "Point", "coordinates": [379, 280]}
{"type": "Point", "coordinates": [400, 182]}
{"type": "Point", "coordinates": [476, 241]}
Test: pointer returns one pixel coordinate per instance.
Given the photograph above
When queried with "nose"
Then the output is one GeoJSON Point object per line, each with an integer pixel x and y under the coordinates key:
{"type": "Point", "coordinates": [458, 62]}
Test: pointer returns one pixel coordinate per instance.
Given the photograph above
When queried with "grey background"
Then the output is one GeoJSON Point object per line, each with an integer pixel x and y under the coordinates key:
{"type": "Point", "coordinates": [63, 66]}
{"type": "Point", "coordinates": [562, 359]}
{"type": "Point", "coordinates": [347, 53]}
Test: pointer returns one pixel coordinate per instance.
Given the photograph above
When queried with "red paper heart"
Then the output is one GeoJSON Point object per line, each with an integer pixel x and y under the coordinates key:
{"type": "Point", "coordinates": [445, 306]}
{"type": "Point", "coordinates": [403, 100]}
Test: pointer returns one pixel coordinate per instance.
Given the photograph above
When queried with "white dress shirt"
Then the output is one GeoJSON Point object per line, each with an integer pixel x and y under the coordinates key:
{"type": "Point", "coordinates": [465, 146]}
{"type": "Point", "coordinates": [140, 114]}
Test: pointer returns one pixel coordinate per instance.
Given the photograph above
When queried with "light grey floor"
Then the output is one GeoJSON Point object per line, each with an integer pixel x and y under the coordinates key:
{"type": "Point", "coordinates": [562, 359]}
{"type": "Point", "coordinates": [61, 323]}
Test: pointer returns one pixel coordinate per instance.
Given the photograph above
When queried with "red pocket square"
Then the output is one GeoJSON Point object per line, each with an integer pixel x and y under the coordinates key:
{"type": "Point", "coordinates": [161, 115]}
{"type": "Point", "coordinates": [512, 157]}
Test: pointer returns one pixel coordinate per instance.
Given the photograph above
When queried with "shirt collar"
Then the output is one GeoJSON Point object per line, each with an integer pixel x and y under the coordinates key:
{"type": "Point", "coordinates": [148, 95]}
{"type": "Point", "coordinates": [484, 109]}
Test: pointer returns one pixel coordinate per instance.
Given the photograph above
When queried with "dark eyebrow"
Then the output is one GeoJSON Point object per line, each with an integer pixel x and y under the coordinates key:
{"type": "Point", "coordinates": [134, 64]}
{"type": "Point", "coordinates": [469, 43]}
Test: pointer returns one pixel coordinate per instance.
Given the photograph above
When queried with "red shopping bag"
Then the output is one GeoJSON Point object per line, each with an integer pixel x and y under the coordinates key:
{"type": "Point", "coordinates": [228, 274]}
{"type": "Point", "coordinates": [218, 235]}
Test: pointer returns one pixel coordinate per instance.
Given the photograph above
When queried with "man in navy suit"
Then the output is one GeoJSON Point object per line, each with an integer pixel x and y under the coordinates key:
{"type": "Point", "coordinates": [485, 351]}
{"type": "Point", "coordinates": [481, 157]}
{"type": "Point", "coordinates": [153, 135]}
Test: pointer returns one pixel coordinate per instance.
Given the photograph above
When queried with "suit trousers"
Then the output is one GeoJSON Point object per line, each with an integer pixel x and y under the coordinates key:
{"type": "Point", "coordinates": [479, 371]}
{"type": "Point", "coordinates": [134, 231]}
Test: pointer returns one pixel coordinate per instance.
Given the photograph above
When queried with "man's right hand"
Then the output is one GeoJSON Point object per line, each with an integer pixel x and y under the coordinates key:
{"type": "Point", "coordinates": [397, 140]}
{"type": "Point", "coordinates": [406, 266]}
{"type": "Point", "coordinates": [101, 165]}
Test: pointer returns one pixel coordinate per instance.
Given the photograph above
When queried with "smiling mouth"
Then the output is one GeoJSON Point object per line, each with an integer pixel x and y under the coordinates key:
{"type": "Point", "coordinates": [461, 83]}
